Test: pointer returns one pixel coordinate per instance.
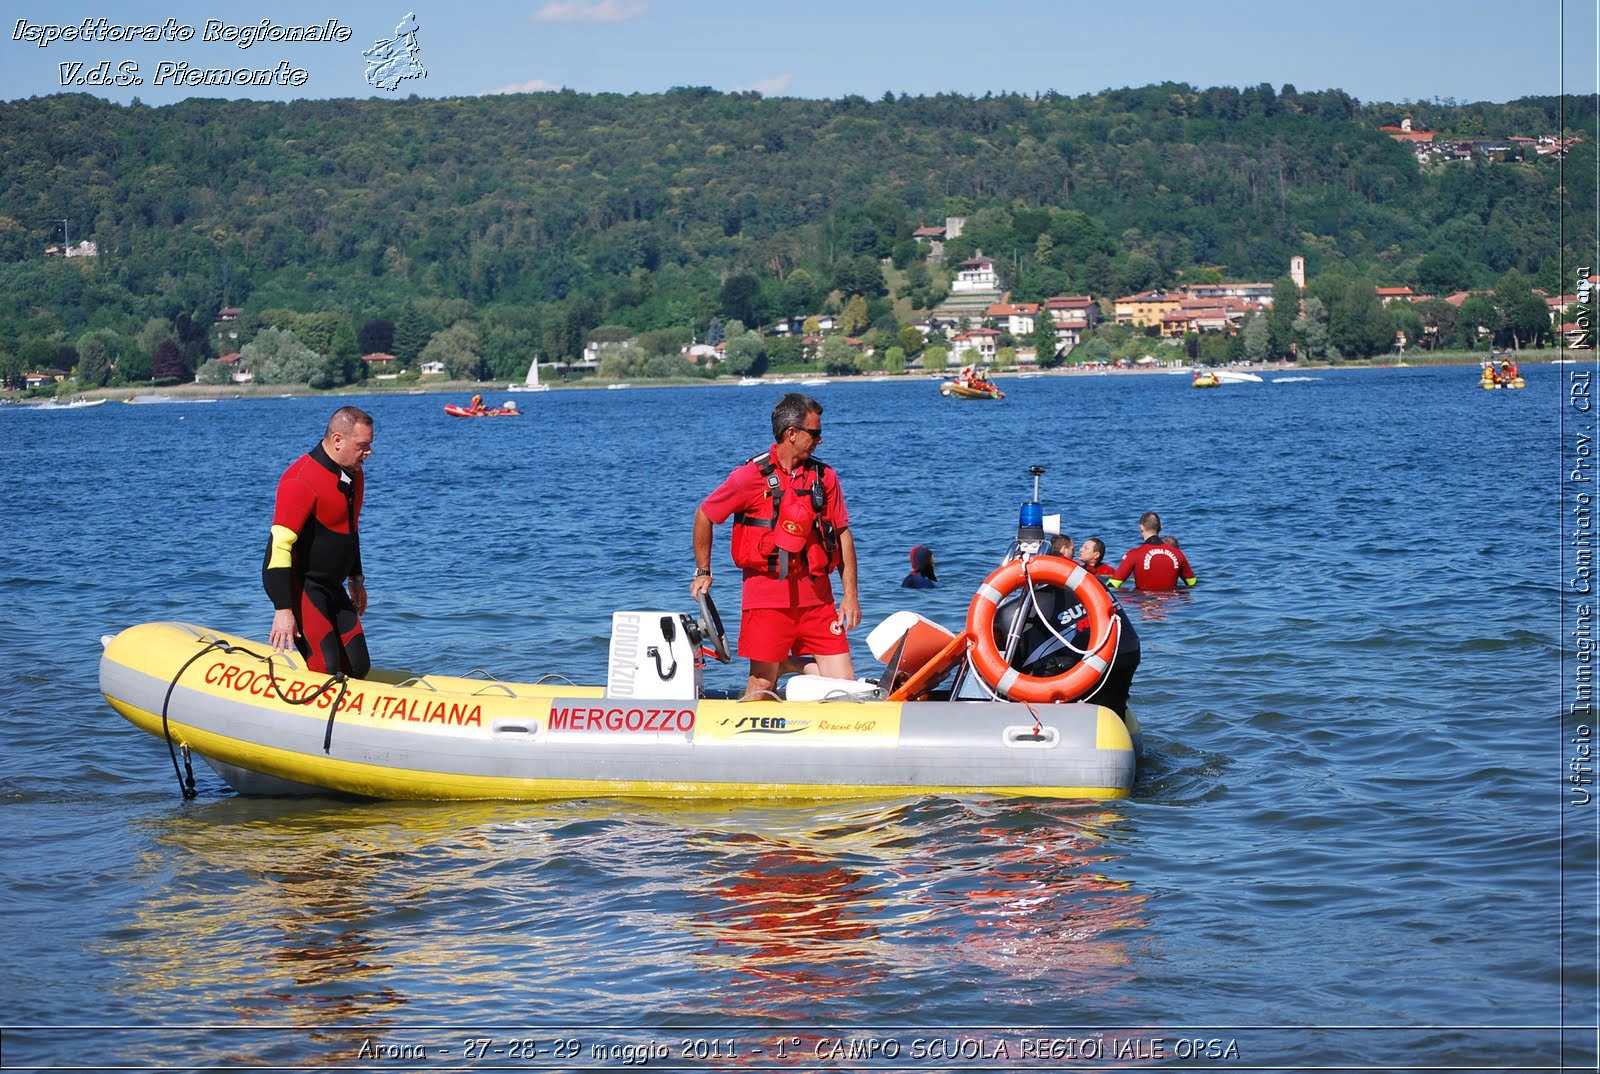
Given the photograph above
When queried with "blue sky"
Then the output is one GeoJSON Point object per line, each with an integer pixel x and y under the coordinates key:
{"type": "Point", "coordinates": [1394, 50]}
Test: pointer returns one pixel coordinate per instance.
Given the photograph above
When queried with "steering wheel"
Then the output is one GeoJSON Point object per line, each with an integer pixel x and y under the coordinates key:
{"type": "Point", "coordinates": [710, 627]}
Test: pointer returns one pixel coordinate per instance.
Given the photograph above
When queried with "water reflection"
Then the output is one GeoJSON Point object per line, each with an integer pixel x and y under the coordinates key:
{"type": "Point", "coordinates": [994, 895]}
{"type": "Point", "coordinates": [324, 915]}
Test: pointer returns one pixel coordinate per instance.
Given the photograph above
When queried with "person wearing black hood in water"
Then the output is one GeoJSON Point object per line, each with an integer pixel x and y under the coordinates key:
{"type": "Point", "coordinates": [921, 576]}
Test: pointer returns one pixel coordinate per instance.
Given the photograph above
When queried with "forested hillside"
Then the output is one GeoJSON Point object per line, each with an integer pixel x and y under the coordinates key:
{"type": "Point", "coordinates": [545, 215]}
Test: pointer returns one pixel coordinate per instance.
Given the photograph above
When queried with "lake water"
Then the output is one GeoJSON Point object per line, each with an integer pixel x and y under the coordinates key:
{"type": "Point", "coordinates": [1351, 844]}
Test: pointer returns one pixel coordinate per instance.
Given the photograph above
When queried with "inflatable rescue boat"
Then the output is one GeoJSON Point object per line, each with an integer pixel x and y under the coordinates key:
{"type": "Point", "coordinates": [957, 389]}
{"type": "Point", "coordinates": [509, 410]}
{"type": "Point", "coordinates": [947, 714]}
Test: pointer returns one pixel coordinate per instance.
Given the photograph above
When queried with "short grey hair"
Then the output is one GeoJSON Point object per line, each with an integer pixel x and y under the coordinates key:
{"type": "Point", "coordinates": [791, 411]}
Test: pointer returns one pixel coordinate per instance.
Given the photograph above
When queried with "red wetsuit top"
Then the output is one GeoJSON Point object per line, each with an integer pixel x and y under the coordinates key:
{"type": "Point", "coordinates": [1154, 566]}
{"type": "Point", "coordinates": [745, 490]}
{"type": "Point", "coordinates": [316, 537]}
{"type": "Point", "coordinates": [1100, 570]}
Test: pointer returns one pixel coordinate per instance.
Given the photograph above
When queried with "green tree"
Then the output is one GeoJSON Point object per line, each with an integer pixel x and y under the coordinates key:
{"type": "Point", "coordinates": [133, 365]}
{"type": "Point", "coordinates": [935, 358]}
{"type": "Point", "coordinates": [1311, 331]}
{"type": "Point", "coordinates": [838, 356]}
{"type": "Point", "coordinates": [1477, 316]}
{"type": "Point", "coordinates": [1441, 316]}
{"type": "Point", "coordinates": [277, 357]}
{"type": "Point", "coordinates": [1406, 321]}
{"type": "Point", "coordinates": [156, 331]}
{"type": "Point", "coordinates": [894, 360]}
{"type": "Point", "coordinates": [11, 370]}
{"type": "Point", "coordinates": [1281, 317]}
{"type": "Point", "coordinates": [214, 373]}
{"type": "Point", "coordinates": [411, 334]}
{"type": "Point", "coordinates": [1257, 339]}
{"type": "Point", "coordinates": [457, 348]}
{"type": "Point", "coordinates": [785, 352]}
{"type": "Point", "coordinates": [854, 320]}
{"type": "Point", "coordinates": [376, 337]}
{"type": "Point", "coordinates": [740, 296]}
{"type": "Point", "coordinates": [1358, 326]}
{"type": "Point", "coordinates": [1524, 319]}
{"type": "Point", "coordinates": [1443, 272]}
{"type": "Point", "coordinates": [94, 362]}
{"type": "Point", "coordinates": [801, 294]}
{"type": "Point", "coordinates": [910, 340]}
{"type": "Point", "coordinates": [746, 354]}
{"type": "Point", "coordinates": [1045, 343]}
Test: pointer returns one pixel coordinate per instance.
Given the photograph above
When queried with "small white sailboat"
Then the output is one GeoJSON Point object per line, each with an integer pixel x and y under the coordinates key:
{"type": "Point", "coordinates": [531, 384]}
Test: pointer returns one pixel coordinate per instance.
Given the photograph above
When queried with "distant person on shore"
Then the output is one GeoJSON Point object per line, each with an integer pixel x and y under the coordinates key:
{"type": "Point", "coordinates": [791, 531]}
{"type": "Point", "coordinates": [921, 576]}
{"type": "Point", "coordinates": [1154, 563]}
{"type": "Point", "coordinates": [312, 569]}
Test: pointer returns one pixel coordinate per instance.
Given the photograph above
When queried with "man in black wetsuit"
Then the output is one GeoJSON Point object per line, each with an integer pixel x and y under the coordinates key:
{"type": "Point", "coordinates": [312, 569]}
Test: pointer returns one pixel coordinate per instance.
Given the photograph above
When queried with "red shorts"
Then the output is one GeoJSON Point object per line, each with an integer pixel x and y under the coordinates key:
{"type": "Point", "coordinates": [771, 635]}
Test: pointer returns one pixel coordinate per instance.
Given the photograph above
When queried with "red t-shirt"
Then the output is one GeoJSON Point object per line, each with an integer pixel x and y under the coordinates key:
{"type": "Point", "coordinates": [1154, 566]}
{"type": "Point", "coordinates": [746, 490]}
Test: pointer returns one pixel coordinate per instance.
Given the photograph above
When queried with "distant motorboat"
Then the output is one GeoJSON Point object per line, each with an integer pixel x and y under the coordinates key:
{"type": "Point", "coordinates": [1234, 376]}
{"type": "Point", "coordinates": [76, 404]}
{"type": "Point", "coordinates": [745, 382]}
{"type": "Point", "coordinates": [614, 387]}
{"type": "Point", "coordinates": [155, 397]}
{"type": "Point", "coordinates": [531, 383]}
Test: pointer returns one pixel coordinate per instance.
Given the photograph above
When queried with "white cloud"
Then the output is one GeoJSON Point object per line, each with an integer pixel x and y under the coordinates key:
{"type": "Point", "coordinates": [533, 85]}
{"type": "Point", "coordinates": [591, 10]}
{"type": "Point", "coordinates": [768, 87]}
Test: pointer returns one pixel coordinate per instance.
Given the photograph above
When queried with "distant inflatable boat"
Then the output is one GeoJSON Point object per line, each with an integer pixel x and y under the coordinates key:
{"type": "Point", "coordinates": [456, 411]}
{"type": "Point", "coordinates": [959, 390]}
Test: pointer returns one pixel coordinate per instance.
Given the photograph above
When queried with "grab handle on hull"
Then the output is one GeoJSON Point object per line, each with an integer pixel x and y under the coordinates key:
{"type": "Point", "coordinates": [1030, 737]}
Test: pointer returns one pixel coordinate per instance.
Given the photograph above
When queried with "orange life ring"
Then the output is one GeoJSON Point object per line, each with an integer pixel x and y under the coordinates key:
{"type": "Point", "coordinates": [1006, 680]}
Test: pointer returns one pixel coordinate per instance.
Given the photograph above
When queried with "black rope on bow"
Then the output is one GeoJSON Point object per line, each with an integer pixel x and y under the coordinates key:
{"type": "Point", "coordinates": [186, 775]}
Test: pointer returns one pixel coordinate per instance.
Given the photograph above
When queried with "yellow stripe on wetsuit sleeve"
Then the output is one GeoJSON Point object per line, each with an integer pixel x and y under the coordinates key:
{"type": "Point", "coordinates": [283, 539]}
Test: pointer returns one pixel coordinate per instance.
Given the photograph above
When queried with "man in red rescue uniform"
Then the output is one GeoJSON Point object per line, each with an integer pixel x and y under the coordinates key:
{"type": "Point", "coordinates": [312, 568]}
{"type": "Point", "coordinates": [1157, 563]}
{"type": "Point", "coordinates": [790, 533]}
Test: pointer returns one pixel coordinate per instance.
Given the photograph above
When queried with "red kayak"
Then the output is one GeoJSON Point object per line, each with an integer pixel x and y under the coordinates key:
{"type": "Point", "coordinates": [456, 411]}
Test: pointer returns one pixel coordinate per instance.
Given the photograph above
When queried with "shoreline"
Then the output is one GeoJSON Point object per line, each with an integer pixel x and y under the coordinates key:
{"type": "Point", "coordinates": [193, 391]}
